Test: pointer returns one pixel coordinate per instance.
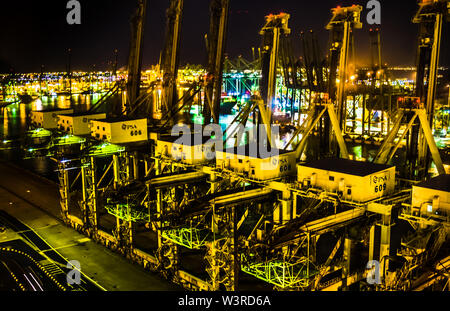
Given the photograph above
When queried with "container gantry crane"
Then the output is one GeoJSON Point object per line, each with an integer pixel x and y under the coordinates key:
{"type": "Point", "coordinates": [430, 17]}
{"type": "Point", "coordinates": [170, 55]}
{"type": "Point", "coordinates": [216, 57]}
{"type": "Point", "coordinates": [274, 30]}
{"type": "Point", "coordinates": [341, 25]}
{"type": "Point", "coordinates": [135, 56]}
{"type": "Point", "coordinates": [418, 113]}
{"type": "Point", "coordinates": [296, 226]}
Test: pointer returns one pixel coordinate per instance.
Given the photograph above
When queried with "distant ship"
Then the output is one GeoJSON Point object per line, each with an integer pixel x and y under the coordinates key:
{"type": "Point", "coordinates": [25, 98]}
{"type": "Point", "coordinates": [87, 92]}
{"type": "Point", "coordinates": [63, 93]}
{"type": "Point", "coordinates": [5, 104]}
{"type": "Point", "coordinates": [228, 104]}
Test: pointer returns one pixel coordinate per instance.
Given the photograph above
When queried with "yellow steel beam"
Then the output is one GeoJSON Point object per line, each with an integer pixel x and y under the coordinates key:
{"type": "Point", "coordinates": [389, 140]}
{"type": "Point", "coordinates": [167, 181]}
{"type": "Point", "coordinates": [327, 263]}
{"type": "Point", "coordinates": [241, 196]}
{"type": "Point", "coordinates": [266, 115]}
{"type": "Point", "coordinates": [430, 140]}
{"type": "Point", "coordinates": [309, 127]}
{"type": "Point", "coordinates": [397, 145]}
{"type": "Point", "coordinates": [441, 270]}
{"type": "Point", "coordinates": [303, 127]}
{"type": "Point", "coordinates": [332, 220]}
{"type": "Point", "coordinates": [337, 131]}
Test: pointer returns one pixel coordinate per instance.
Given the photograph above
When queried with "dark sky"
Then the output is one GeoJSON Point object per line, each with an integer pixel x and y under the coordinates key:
{"type": "Point", "coordinates": [35, 32]}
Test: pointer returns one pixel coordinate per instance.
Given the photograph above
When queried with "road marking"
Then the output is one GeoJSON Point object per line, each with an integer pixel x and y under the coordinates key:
{"type": "Point", "coordinates": [45, 241]}
{"type": "Point", "coordinates": [34, 230]}
{"type": "Point", "coordinates": [78, 242]}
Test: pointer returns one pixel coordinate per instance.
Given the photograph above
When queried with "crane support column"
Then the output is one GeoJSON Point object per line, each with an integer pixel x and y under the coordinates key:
{"type": "Point", "coordinates": [341, 25]}
{"type": "Point", "coordinates": [170, 55]}
{"type": "Point", "coordinates": [216, 56]}
{"type": "Point", "coordinates": [430, 17]}
{"type": "Point", "coordinates": [135, 57]}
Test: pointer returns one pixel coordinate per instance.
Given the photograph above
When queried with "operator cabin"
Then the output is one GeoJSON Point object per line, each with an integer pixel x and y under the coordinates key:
{"type": "Point", "coordinates": [120, 130]}
{"type": "Point", "coordinates": [432, 198]}
{"type": "Point", "coordinates": [354, 180]}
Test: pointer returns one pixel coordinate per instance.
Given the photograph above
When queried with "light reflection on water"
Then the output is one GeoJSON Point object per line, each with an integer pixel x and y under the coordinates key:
{"type": "Point", "coordinates": [5, 120]}
{"type": "Point", "coordinates": [15, 123]}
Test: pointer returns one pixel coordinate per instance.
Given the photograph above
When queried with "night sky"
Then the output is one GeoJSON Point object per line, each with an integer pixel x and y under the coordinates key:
{"type": "Point", "coordinates": [35, 33]}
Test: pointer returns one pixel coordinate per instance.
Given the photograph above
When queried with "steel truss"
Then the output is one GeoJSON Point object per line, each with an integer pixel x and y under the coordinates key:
{"type": "Point", "coordinates": [280, 273]}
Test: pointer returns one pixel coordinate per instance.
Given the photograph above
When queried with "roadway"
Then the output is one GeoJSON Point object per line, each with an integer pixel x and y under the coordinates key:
{"type": "Point", "coordinates": [29, 210]}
